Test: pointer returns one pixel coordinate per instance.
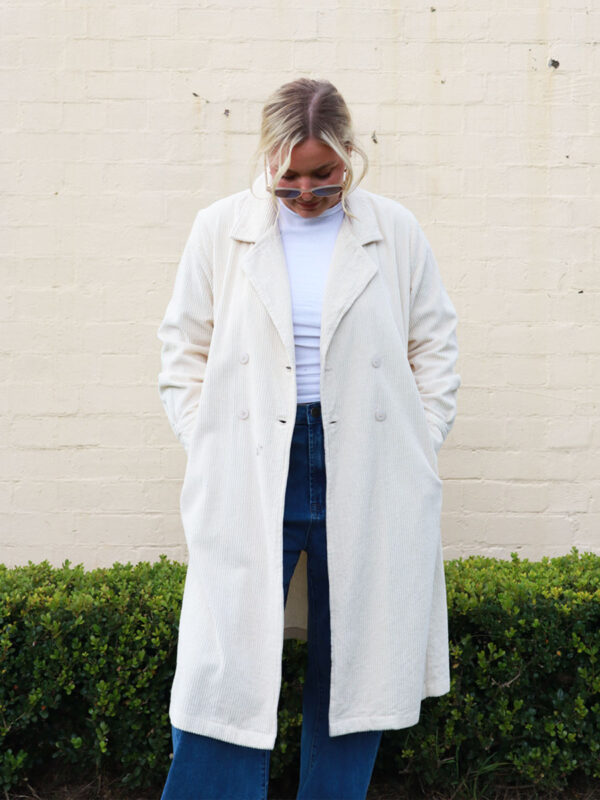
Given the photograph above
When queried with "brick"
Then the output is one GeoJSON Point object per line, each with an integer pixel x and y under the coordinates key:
{"type": "Point", "coordinates": [526, 26]}
{"type": "Point", "coordinates": [207, 23]}
{"type": "Point", "coordinates": [520, 211]}
{"type": "Point", "coordinates": [267, 24]}
{"type": "Point", "coordinates": [158, 21]}
{"type": "Point", "coordinates": [356, 24]}
{"type": "Point", "coordinates": [36, 496]}
{"type": "Point", "coordinates": [35, 20]}
{"type": "Point", "coordinates": [57, 398]}
{"type": "Point", "coordinates": [446, 25]}
{"type": "Point", "coordinates": [532, 497]}
{"type": "Point", "coordinates": [568, 181]}
{"type": "Point", "coordinates": [129, 114]}
{"type": "Point", "coordinates": [6, 494]}
{"type": "Point", "coordinates": [570, 498]}
{"type": "Point", "coordinates": [530, 402]}
{"type": "Point", "coordinates": [106, 463]}
{"type": "Point", "coordinates": [482, 370]}
{"type": "Point", "coordinates": [537, 530]}
{"type": "Point", "coordinates": [586, 533]}
{"type": "Point", "coordinates": [33, 529]}
{"type": "Point", "coordinates": [575, 370]}
{"type": "Point", "coordinates": [41, 116]}
{"type": "Point", "coordinates": [124, 368]}
{"type": "Point", "coordinates": [527, 466]}
{"type": "Point", "coordinates": [509, 339]}
{"type": "Point", "coordinates": [593, 487]}
{"type": "Point", "coordinates": [587, 465]}
{"type": "Point", "coordinates": [526, 370]}
{"type": "Point", "coordinates": [178, 54]}
{"type": "Point", "coordinates": [32, 368]}
{"type": "Point", "coordinates": [112, 529]}
{"type": "Point", "coordinates": [453, 495]}
{"type": "Point", "coordinates": [41, 53]}
{"type": "Point", "coordinates": [86, 53]}
{"type": "Point", "coordinates": [132, 54]}
{"type": "Point", "coordinates": [465, 464]}
{"type": "Point", "coordinates": [482, 433]}
{"type": "Point", "coordinates": [484, 496]}
{"type": "Point", "coordinates": [316, 56]}
{"type": "Point", "coordinates": [126, 84]}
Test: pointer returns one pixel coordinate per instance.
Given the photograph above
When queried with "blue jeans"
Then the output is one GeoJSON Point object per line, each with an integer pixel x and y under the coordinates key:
{"type": "Point", "coordinates": [331, 768]}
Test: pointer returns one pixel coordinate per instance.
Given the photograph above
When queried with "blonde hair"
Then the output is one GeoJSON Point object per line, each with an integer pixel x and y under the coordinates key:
{"type": "Point", "coordinates": [308, 109]}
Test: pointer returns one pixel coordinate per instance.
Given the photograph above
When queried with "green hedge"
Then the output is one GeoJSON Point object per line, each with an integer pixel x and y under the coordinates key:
{"type": "Point", "coordinates": [524, 705]}
{"type": "Point", "coordinates": [87, 659]}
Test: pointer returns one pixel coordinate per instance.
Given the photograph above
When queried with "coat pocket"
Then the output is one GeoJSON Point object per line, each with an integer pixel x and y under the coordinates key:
{"type": "Point", "coordinates": [424, 431]}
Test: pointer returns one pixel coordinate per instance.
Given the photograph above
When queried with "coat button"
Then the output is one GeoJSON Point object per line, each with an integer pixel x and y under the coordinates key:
{"type": "Point", "coordinates": [376, 361]}
{"type": "Point", "coordinates": [243, 413]}
{"type": "Point", "coordinates": [244, 358]}
{"type": "Point", "coordinates": [379, 415]}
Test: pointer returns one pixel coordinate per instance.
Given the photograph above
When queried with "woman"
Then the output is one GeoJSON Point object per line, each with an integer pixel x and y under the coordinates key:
{"type": "Point", "coordinates": [308, 369]}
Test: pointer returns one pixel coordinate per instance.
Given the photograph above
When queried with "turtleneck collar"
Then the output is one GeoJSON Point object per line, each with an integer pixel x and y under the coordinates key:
{"type": "Point", "coordinates": [293, 218]}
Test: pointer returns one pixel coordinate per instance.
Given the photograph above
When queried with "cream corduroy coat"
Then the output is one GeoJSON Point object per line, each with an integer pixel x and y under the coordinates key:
{"type": "Point", "coordinates": [388, 388]}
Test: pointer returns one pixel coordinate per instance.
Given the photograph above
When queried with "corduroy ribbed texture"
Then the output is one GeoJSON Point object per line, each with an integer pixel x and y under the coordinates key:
{"type": "Point", "coordinates": [388, 388]}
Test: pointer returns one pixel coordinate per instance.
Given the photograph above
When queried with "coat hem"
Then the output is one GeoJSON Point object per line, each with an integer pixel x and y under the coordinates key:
{"type": "Point", "coordinates": [226, 733]}
{"type": "Point", "coordinates": [436, 689]}
{"type": "Point", "coordinates": [362, 724]}
{"type": "Point", "coordinates": [389, 721]}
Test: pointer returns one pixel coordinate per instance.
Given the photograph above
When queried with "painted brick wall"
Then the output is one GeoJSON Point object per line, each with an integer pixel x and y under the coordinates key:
{"type": "Point", "coordinates": [121, 120]}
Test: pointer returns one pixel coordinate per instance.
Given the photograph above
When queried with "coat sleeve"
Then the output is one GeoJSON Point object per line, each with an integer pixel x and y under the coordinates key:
{"type": "Point", "coordinates": [432, 345]}
{"type": "Point", "coordinates": [186, 332]}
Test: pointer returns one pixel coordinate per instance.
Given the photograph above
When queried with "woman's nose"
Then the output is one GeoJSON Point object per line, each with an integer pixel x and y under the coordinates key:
{"type": "Point", "coordinates": [305, 187]}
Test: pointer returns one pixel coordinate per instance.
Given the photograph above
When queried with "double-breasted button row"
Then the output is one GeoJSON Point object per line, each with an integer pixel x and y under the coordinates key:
{"type": "Point", "coordinates": [243, 413]}
{"type": "Point", "coordinates": [244, 358]}
{"type": "Point", "coordinates": [380, 414]}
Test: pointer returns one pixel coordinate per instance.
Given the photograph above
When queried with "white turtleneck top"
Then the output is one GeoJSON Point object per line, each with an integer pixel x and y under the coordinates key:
{"type": "Point", "coordinates": [308, 244]}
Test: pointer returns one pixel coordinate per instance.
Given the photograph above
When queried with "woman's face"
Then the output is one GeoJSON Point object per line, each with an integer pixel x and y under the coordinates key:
{"type": "Point", "coordinates": [313, 163]}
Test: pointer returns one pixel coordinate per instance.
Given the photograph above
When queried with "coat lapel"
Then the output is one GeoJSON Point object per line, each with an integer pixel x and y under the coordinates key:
{"type": "Point", "coordinates": [350, 271]}
{"type": "Point", "coordinates": [264, 263]}
{"type": "Point", "coordinates": [266, 269]}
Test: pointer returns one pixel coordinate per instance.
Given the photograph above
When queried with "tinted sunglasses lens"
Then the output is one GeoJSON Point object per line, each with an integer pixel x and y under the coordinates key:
{"type": "Point", "coordinates": [287, 194]}
{"type": "Point", "coordinates": [326, 191]}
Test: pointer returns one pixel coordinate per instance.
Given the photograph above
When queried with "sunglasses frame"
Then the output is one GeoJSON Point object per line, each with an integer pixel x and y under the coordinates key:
{"type": "Point", "coordinates": [317, 191]}
{"type": "Point", "coordinates": [283, 193]}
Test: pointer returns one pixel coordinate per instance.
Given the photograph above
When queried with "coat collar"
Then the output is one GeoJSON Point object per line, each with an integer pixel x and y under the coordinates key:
{"type": "Point", "coordinates": [352, 266]}
{"type": "Point", "coordinates": [256, 214]}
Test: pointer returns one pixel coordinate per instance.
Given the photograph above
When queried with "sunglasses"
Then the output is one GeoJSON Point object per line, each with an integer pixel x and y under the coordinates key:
{"type": "Point", "coordinates": [318, 191]}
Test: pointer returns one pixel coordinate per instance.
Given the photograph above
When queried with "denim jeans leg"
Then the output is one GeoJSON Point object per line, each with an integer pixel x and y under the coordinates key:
{"type": "Point", "coordinates": [204, 768]}
{"type": "Point", "coordinates": [338, 767]}
{"type": "Point", "coordinates": [296, 519]}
